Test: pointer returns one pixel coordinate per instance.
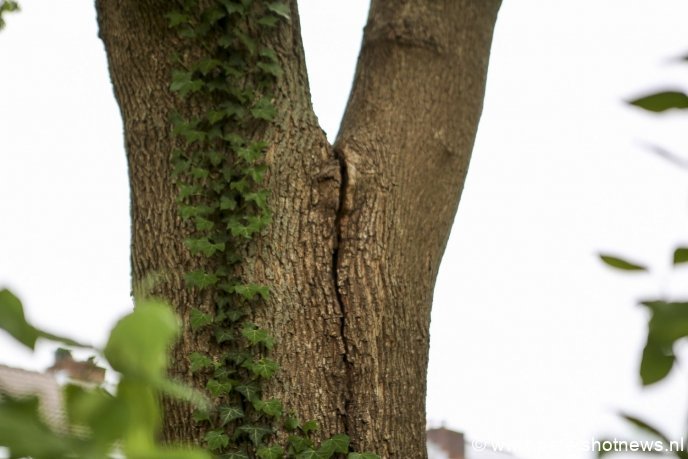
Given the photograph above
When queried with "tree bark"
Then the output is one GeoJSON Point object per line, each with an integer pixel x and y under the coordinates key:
{"type": "Point", "coordinates": [358, 229]}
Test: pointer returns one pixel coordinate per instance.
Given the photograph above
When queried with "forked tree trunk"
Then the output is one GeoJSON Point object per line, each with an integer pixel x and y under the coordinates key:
{"type": "Point", "coordinates": [358, 228]}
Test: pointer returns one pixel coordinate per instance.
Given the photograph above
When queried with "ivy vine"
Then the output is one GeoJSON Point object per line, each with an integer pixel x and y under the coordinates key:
{"type": "Point", "coordinates": [219, 173]}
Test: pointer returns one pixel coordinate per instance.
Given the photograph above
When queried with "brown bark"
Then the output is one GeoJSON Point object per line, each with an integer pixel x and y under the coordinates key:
{"type": "Point", "coordinates": [357, 235]}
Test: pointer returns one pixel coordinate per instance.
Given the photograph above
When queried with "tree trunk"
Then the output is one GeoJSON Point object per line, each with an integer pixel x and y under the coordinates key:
{"type": "Point", "coordinates": [358, 229]}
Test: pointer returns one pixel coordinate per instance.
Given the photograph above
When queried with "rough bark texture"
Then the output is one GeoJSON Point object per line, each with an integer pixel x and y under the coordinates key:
{"type": "Point", "coordinates": [358, 230]}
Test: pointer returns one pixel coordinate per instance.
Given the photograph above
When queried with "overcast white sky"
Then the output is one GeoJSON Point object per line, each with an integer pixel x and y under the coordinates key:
{"type": "Point", "coordinates": [534, 344]}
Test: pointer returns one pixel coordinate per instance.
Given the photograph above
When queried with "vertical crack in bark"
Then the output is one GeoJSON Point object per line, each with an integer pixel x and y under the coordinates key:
{"type": "Point", "coordinates": [336, 253]}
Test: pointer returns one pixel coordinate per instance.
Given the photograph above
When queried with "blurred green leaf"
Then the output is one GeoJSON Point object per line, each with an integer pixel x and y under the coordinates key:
{"type": "Point", "coordinates": [643, 425]}
{"type": "Point", "coordinates": [12, 320]}
{"type": "Point", "coordinates": [655, 364]}
{"type": "Point", "coordinates": [619, 263]}
{"type": "Point", "coordinates": [662, 101]}
{"type": "Point", "coordinates": [7, 6]}
{"type": "Point", "coordinates": [139, 342]}
{"type": "Point", "coordinates": [98, 412]}
{"type": "Point", "coordinates": [681, 255]}
{"type": "Point", "coordinates": [668, 323]}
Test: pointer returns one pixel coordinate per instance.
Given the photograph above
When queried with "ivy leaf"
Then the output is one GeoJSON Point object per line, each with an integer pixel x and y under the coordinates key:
{"type": "Point", "coordinates": [184, 83]}
{"type": "Point", "coordinates": [271, 68]}
{"type": "Point", "coordinates": [222, 372]}
{"type": "Point", "coordinates": [193, 135]}
{"type": "Point", "coordinates": [217, 388]}
{"type": "Point", "coordinates": [216, 439]}
{"type": "Point", "coordinates": [280, 9]}
{"type": "Point", "coordinates": [256, 335]}
{"type": "Point", "coordinates": [204, 246]}
{"type": "Point", "coordinates": [681, 255]}
{"type": "Point", "coordinates": [620, 263]}
{"type": "Point", "coordinates": [270, 452]}
{"type": "Point", "coordinates": [335, 444]}
{"type": "Point", "coordinates": [264, 110]}
{"type": "Point", "coordinates": [176, 18]}
{"type": "Point", "coordinates": [235, 455]}
{"type": "Point", "coordinates": [250, 391]}
{"type": "Point", "coordinates": [310, 426]}
{"type": "Point", "coordinates": [223, 335]}
{"type": "Point", "coordinates": [203, 224]}
{"type": "Point", "coordinates": [199, 361]}
{"type": "Point", "coordinates": [662, 101]}
{"type": "Point", "coordinates": [258, 197]}
{"type": "Point", "coordinates": [249, 291]}
{"type": "Point", "coordinates": [235, 314]}
{"type": "Point", "coordinates": [241, 185]}
{"type": "Point", "coordinates": [291, 423]}
{"type": "Point", "coordinates": [247, 41]}
{"type": "Point", "coordinates": [263, 367]}
{"type": "Point", "coordinates": [268, 21]}
{"type": "Point", "coordinates": [227, 203]}
{"type": "Point", "coordinates": [308, 454]}
{"type": "Point", "coordinates": [215, 116]}
{"type": "Point", "coordinates": [200, 279]}
{"type": "Point", "coordinates": [237, 229]}
{"type": "Point", "coordinates": [362, 456]}
{"type": "Point", "coordinates": [187, 212]}
{"type": "Point", "coordinates": [269, 53]}
{"type": "Point", "coordinates": [187, 190]}
{"type": "Point", "coordinates": [199, 172]}
{"type": "Point", "coordinates": [215, 157]}
{"type": "Point", "coordinates": [254, 433]}
{"type": "Point", "coordinates": [201, 415]}
{"type": "Point", "coordinates": [13, 321]}
{"type": "Point", "coordinates": [238, 357]}
{"type": "Point", "coordinates": [229, 414]}
{"type": "Point", "coordinates": [272, 407]}
{"type": "Point", "coordinates": [199, 319]}
{"type": "Point", "coordinates": [232, 7]}
{"type": "Point", "coordinates": [257, 173]}
{"type": "Point", "coordinates": [213, 15]}
{"type": "Point", "coordinates": [299, 444]}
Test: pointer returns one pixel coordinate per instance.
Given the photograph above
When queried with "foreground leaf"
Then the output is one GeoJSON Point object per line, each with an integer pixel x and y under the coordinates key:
{"type": "Point", "coordinates": [139, 342]}
{"type": "Point", "coordinates": [662, 101]}
{"type": "Point", "coordinates": [620, 263]}
{"type": "Point", "coordinates": [681, 255]}
{"type": "Point", "coordinates": [13, 321]}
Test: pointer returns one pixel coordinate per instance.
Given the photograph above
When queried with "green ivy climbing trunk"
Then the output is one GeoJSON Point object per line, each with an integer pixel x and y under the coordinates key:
{"type": "Point", "coordinates": [358, 229]}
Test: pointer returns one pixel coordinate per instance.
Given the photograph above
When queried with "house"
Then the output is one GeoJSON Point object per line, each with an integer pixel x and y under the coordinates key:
{"type": "Point", "coordinates": [444, 443]}
{"type": "Point", "coordinates": [23, 383]}
{"type": "Point", "coordinates": [47, 386]}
